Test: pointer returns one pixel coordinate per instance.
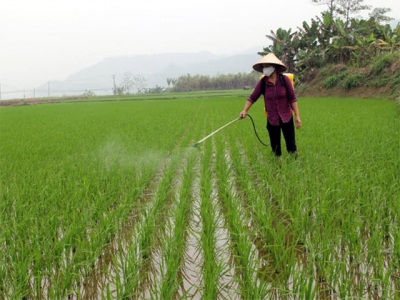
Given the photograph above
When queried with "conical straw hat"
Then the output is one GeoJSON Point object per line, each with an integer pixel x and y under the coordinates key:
{"type": "Point", "coordinates": [270, 58]}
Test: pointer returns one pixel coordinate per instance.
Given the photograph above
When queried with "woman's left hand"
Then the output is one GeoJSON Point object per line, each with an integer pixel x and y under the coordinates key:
{"type": "Point", "coordinates": [298, 122]}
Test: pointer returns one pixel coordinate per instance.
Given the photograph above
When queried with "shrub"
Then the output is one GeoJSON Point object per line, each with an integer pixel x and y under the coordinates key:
{"type": "Point", "coordinates": [378, 82]}
{"type": "Point", "coordinates": [353, 81]}
{"type": "Point", "coordinates": [395, 85]}
{"type": "Point", "coordinates": [333, 80]}
{"type": "Point", "coordinates": [398, 104]}
{"type": "Point", "coordinates": [381, 63]}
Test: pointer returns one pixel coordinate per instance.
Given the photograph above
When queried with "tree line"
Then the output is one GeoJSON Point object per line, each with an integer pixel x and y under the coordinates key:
{"type": "Point", "coordinates": [187, 83]}
{"type": "Point", "coordinates": [136, 84]}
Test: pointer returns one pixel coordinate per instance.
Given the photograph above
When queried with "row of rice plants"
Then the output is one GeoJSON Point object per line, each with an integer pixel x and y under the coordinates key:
{"type": "Point", "coordinates": [218, 266]}
{"type": "Point", "coordinates": [66, 195]}
{"type": "Point", "coordinates": [361, 184]}
{"type": "Point", "coordinates": [99, 176]}
{"type": "Point", "coordinates": [334, 192]}
{"type": "Point", "coordinates": [136, 256]}
{"type": "Point", "coordinates": [62, 249]}
{"type": "Point", "coordinates": [268, 230]}
{"type": "Point", "coordinates": [243, 250]}
{"type": "Point", "coordinates": [212, 268]}
{"type": "Point", "coordinates": [138, 260]}
{"type": "Point", "coordinates": [169, 261]}
{"type": "Point", "coordinates": [174, 244]}
{"type": "Point", "coordinates": [271, 228]}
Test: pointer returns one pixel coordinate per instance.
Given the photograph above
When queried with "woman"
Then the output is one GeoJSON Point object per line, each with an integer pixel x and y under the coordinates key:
{"type": "Point", "coordinates": [280, 103]}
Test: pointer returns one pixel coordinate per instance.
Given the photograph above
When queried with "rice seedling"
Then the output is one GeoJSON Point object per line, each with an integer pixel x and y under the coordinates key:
{"type": "Point", "coordinates": [211, 268]}
{"type": "Point", "coordinates": [108, 200]}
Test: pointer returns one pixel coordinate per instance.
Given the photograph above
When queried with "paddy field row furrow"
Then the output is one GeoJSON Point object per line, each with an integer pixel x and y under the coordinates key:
{"type": "Point", "coordinates": [109, 200]}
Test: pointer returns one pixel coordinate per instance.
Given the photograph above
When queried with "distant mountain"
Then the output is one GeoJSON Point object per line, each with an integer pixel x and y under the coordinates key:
{"type": "Point", "coordinates": [156, 68]}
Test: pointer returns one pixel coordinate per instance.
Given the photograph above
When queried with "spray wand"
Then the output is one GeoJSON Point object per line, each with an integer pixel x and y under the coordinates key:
{"type": "Point", "coordinates": [214, 132]}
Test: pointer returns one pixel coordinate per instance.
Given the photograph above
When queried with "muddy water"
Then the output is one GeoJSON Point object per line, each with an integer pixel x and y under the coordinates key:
{"type": "Point", "coordinates": [105, 271]}
{"type": "Point", "coordinates": [193, 259]}
{"type": "Point", "coordinates": [106, 268]}
{"type": "Point", "coordinates": [233, 284]}
{"type": "Point", "coordinates": [229, 288]}
{"type": "Point", "coordinates": [191, 274]}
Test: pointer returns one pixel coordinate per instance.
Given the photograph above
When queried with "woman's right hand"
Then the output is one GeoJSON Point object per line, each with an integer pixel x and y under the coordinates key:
{"type": "Point", "coordinates": [242, 114]}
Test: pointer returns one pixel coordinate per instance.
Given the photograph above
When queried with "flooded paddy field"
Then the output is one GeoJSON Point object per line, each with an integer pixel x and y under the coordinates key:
{"type": "Point", "coordinates": [109, 200]}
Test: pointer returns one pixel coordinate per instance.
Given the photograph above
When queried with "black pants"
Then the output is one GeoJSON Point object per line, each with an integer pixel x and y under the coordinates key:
{"type": "Point", "coordinates": [288, 134]}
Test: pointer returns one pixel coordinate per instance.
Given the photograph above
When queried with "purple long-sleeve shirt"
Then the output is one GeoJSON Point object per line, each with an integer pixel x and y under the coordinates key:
{"type": "Point", "coordinates": [277, 99]}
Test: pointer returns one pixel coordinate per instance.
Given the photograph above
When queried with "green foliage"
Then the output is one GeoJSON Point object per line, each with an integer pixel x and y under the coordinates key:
{"type": "Point", "coordinates": [395, 84]}
{"type": "Point", "coordinates": [325, 71]}
{"type": "Point", "coordinates": [398, 107]}
{"type": "Point", "coordinates": [89, 93]}
{"type": "Point", "coordinates": [334, 80]}
{"type": "Point", "coordinates": [284, 45]}
{"type": "Point", "coordinates": [189, 83]}
{"type": "Point", "coordinates": [155, 90]}
{"type": "Point", "coordinates": [336, 38]}
{"type": "Point", "coordinates": [352, 81]}
{"type": "Point", "coordinates": [381, 63]}
{"type": "Point", "coordinates": [378, 81]}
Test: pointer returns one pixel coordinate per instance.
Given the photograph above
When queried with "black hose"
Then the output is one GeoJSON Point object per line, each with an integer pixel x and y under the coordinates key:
{"type": "Point", "coordinates": [255, 131]}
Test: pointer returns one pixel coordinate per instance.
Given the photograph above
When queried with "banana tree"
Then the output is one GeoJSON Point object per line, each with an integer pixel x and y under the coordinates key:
{"type": "Point", "coordinates": [338, 50]}
{"type": "Point", "coordinates": [284, 45]}
{"type": "Point", "coordinates": [363, 50]}
{"type": "Point", "coordinates": [391, 40]}
{"type": "Point", "coordinates": [309, 54]}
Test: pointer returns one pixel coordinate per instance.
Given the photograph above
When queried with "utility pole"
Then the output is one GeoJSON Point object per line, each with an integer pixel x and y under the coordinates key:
{"type": "Point", "coordinates": [115, 88]}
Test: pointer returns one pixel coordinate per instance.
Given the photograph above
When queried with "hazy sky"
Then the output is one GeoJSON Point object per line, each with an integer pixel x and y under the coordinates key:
{"type": "Point", "coordinates": [45, 40]}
